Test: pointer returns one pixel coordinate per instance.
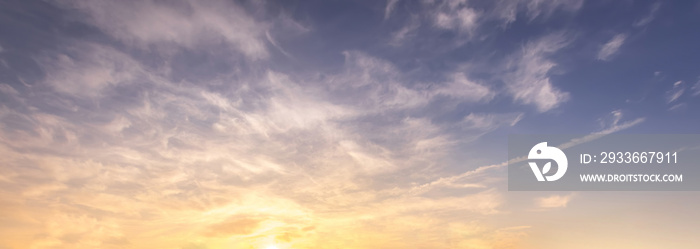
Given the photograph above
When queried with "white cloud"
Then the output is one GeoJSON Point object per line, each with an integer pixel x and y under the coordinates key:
{"type": "Point", "coordinates": [188, 24]}
{"type": "Point", "coordinates": [677, 107]}
{"type": "Point", "coordinates": [8, 90]}
{"type": "Point", "coordinates": [649, 17]}
{"type": "Point", "coordinates": [611, 47]}
{"type": "Point", "coordinates": [611, 120]}
{"type": "Point", "coordinates": [381, 86]}
{"type": "Point", "coordinates": [464, 89]}
{"type": "Point", "coordinates": [507, 10]}
{"type": "Point", "coordinates": [696, 88]}
{"type": "Point", "coordinates": [490, 121]}
{"type": "Point", "coordinates": [472, 178]}
{"type": "Point", "coordinates": [87, 69]}
{"type": "Point", "coordinates": [123, 144]}
{"type": "Point", "coordinates": [554, 201]}
{"type": "Point", "coordinates": [455, 16]}
{"type": "Point", "coordinates": [536, 8]}
{"type": "Point", "coordinates": [198, 149]}
{"type": "Point", "coordinates": [675, 92]}
{"type": "Point", "coordinates": [377, 82]}
{"type": "Point", "coordinates": [276, 45]}
{"type": "Point", "coordinates": [612, 128]}
{"type": "Point", "coordinates": [390, 6]}
{"type": "Point", "coordinates": [527, 74]}
{"type": "Point", "coordinates": [463, 19]}
{"type": "Point", "coordinates": [399, 36]}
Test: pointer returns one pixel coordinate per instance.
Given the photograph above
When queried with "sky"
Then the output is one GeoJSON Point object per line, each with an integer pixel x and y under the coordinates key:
{"type": "Point", "coordinates": [332, 124]}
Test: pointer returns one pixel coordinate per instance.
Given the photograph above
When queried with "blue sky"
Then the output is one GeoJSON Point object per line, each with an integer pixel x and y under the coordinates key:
{"type": "Point", "coordinates": [335, 124]}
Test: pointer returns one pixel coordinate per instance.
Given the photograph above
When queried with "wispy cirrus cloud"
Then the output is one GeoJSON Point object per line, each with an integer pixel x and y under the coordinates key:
{"type": "Point", "coordinates": [389, 9]}
{"type": "Point", "coordinates": [609, 49]}
{"type": "Point", "coordinates": [88, 69]}
{"type": "Point", "coordinates": [546, 8]}
{"type": "Point", "coordinates": [649, 17]}
{"type": "Point", "coordinates": [673, 95]}
{"type": "Point", "coordinates": [507, 11]}
{"type": "Point", "coordinates": [451, 17]}
{"type": "Point", "coordinates": [465, 17]}
{"type": "Point", "coordinates": [381, 83]}
{"type": "Point", "coordinates": [554, 201]}
{"type": "Point", "coordinates": [696, 89]}
{"type": "Point", "coordinates": [178, 148]}
{"type": "Point", "coordinates": [527, 73]}
{"type": "Point", "coordinates": [675, 92]}
{"type": "Point", "coordinates": [609, 124]}
{"type": "Point", "coordinates": [407, 31]}
{"type": "Point", "coordinates": [182, 23]}
{"type": "Point", "coordinates": [218, 124]}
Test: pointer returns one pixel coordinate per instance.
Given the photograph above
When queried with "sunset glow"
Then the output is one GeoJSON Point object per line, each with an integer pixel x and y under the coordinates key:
{"type": "Point", "coordinates": [268, 124]}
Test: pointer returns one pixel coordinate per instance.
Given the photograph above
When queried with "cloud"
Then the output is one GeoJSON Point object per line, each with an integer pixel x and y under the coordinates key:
{"type": "Point", "coordinates": [611, 126]}
{"type": "Point", "coordinates": [536, 8]}
{"type": "Point", "coordinates": [407, 31]}
{"type": "Point", "coordinates": [472, 176]}
{"type": "Point", "coordinates": [390, 6]}
{"type": "Point", "coordinates": [463, 19]}
{"type": "Point", "coordinates": [490, 121]}
{"type": "Point", "coordinates": [468, 179]}
{"type": "Point", "coordinates": [676, 92]}
{"type": "Point", "coordinates": [88, 69]}
{"type": "Point", "coordinates": [114, 146]}
{"type": "Point", "coordinates": [554, 201]}
{"type": "Point", "coordinates": [276, 45]}
{"type": "Point", "coordinates": [460, 15]}
{"type": "Point", "coordinates": [189, 24]}
{"type": "Point", "coordinates": [507, 11]}
{"type": "Point", "coordinates": [526, 74]}
{"type": "Point", "coordinates": [119, 140]}
{"type": "Point", "coordinates": [459, 87]}
{"type": "Point", "coordinates": [195, 246]}
{"type": "Point", "coordinates": [610, 48]}
{"type": "Point", "coordinates": [649, 17]}
{"type": "Point", "coordinates": [677, 107]}
{"type": "Point", "coordinates": [382, 87]}
{"type": "Point", "coordinates": [234, 226]}
{"type": "Point", "coordinates": [9, 90]}
{"type": "Point", "coordinates": [455, 16]}
{"type": "Point", "coordinates": [696, 89]}
{"type": "Point", "coordinates": [611, 120]}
